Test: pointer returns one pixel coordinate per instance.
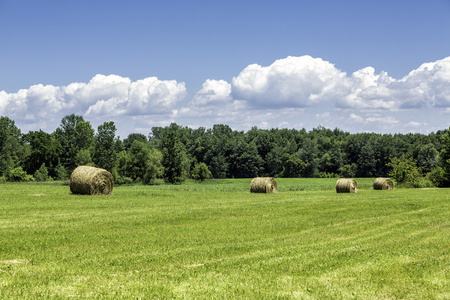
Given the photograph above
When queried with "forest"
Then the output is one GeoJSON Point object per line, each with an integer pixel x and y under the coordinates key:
{"type": "Point", "coordinates": [175, 153]}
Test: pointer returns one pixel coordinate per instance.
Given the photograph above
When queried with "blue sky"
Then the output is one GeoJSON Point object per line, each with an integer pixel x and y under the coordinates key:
{"type": "Point", "coordinates": [355, 65]}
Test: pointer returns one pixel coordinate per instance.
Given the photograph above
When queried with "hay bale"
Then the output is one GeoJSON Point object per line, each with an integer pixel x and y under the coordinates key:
{"type": "Point", "coordinates": [263, 185]}
{"type": "Point", "coordinates": [383, 184]}
{"type": "Point", "coordinates": [345, 185]}
{"type": "Point", "coordinates": [87, 180]}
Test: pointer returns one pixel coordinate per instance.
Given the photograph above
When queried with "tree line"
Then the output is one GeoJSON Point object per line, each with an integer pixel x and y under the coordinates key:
{"type": "Point", "coordinates": [175, 153]}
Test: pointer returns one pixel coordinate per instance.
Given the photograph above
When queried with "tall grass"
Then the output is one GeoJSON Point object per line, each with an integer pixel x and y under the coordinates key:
{"type": "Point", "coordinates": [217, 240]}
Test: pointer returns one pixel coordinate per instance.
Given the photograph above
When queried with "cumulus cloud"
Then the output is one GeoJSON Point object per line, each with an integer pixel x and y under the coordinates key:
{"type": "Point", "coordinates": [365, 89]}
{"type": "Point", "coordinates": [305, 81]}
{"type": "Point", "coordinates": [213, 92]}
{"type": "Point", "coordinates": [291, 92]}
{"type": "Point", "coordinates": [214, 101]}
{"type": "Point", "coordinates": [428, 85]}
{"type": "Point", "coordinates": [103, 95]}
{"type": "Point", "coordinates": [115, 96]}
{"type": "Point", "coordinates": [290, 86]}
{"type": "Point", "coordinates": [290, 82]}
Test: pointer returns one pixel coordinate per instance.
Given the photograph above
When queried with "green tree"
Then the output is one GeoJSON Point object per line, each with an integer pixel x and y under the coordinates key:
{"type": "Point", "coordinates": [104, 146]}
{"type": "Point", "coordinates": [12, 148]}
{"type": "Point", "coordinates": [45, 150]}
{"type": "Point", "coordinates": [155, 168]}
{"type": "Point", "coordinates": [201, 172]}
{"type": "Point", "coordinates": [123, 166]}
{"type": "Point", "coordinates": [445, 159]}
{"type": "Point", "coordinates": [139, 163]}
{"type": "Point", "coordinates": [348, 171]}
{"type": "Point", "coordinates": [134, 137]}
{"type": "Point", "coordinates": [265, 142]}
{"type": "Point", "coordinates": [139, 157]}
{"type": "Point", "coordinates": [405, 170]}
{"type": "Point", "coordinates": [308, 153]}
{"type": "Point", "coordinates": [330, 162]}
{"type": "Point", "coordinates": [61, 172]}
{"type": "Point", "coordinates": [274, 161]}
{"type": "Point", "coordinates": [41, 174]}
{"type": "Point", "coordinates": [219, 166]}
{"type": "Point", "coordinates": [218, 150]}
{"type": "Point", "coordinates": [74, 134]}
{"type": "Point", "coordinates": [246, 161]}
{"type": "Point", "coordinates": [175, 160]}
{"type": "Point", "coordinates": [427, 158]}
{"type": "Point", "coordinates": [367, 162]}
{"type": "Point", "coordinates": [293, 166]}
{"type": "Point", "coordinates": [83, 158]}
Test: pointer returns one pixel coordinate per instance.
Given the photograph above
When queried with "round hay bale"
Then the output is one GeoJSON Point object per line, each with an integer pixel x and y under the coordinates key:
{"type": "Point", "coordinates": [87, 180]}
{"type": "Point", "coordinates": [383, 184]}
{"type": "Point", "coordinates": [344, 185]}
{"type": "Point", "coordinates": [263, 185]}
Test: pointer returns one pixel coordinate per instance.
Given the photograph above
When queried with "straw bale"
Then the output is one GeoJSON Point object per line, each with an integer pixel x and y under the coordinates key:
{"type": "Point", "coordinates": [383, 184]}
{"type": "Point", "coordinates": [345, 185]}
{"type": "Point", "coordinates": [87, 180]}
{"type": "Point", "coordinates": [263, 185]}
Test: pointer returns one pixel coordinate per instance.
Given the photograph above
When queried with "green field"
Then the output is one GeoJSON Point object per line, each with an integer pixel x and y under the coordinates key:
{"type": "Point", "coordinates": [217, 240]}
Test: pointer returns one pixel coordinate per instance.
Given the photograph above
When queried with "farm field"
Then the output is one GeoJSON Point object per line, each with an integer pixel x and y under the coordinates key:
{"type": "Point", "coordinates": [217, 240]}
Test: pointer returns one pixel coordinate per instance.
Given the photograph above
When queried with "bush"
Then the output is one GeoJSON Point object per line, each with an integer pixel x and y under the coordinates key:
{"type": "Point", "coordinates": [437, 177]}
{"type": "Point", "coordinates": [424, 183]}
{"type": "Point", "coordinates": [123, 180]}
{"type": "Point", "coordinates": [327, 175]}
{"type": "Point", "coordinates": [61, 172]}
{"type": "Point", "coordinates": [150, 175]}
{"type": "Point", "coordinates": [405, 170]}
{"type": "Point", "coordinates": [18, 174]}
{"type": "Point", "coordinates": [41, 174]}
{"type": "Point", "coordinates": [348, 171]}
{"type": "Point", "coordinates": [120, 179]}
{"type": "Point", "coordinates": [201, 172]}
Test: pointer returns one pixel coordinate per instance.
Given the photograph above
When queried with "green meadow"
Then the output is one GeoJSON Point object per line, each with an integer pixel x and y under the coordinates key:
{"type": "Point", "coordinates": [216, 240]}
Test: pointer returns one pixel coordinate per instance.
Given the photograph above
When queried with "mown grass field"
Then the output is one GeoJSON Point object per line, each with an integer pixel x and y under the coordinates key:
{"type": "Point", "coordinates": [217, 240]}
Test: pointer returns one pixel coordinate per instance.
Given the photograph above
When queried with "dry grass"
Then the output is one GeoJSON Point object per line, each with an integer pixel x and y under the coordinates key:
{"type": "Point", "coordinates": [87, 180]}
{"type": "Point", "coordinates": [383, 184]}
{"type": "Point", "coordinates": [263, 185]}
{"type": "Point", "coordinates": [345, 185]}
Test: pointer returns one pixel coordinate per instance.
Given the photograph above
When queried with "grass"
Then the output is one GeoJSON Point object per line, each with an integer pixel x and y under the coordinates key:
{"type": "Point", "coordinates": [217, 240]}
{"type": "Point", "coordinates": [243, 185]}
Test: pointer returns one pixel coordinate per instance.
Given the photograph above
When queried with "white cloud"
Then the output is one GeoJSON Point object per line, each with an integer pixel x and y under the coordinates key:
{"type": "Point", "coordinates": [324, 115]}
{"type": "Point", "coordinates": [114, 95]}
{"type": "Point", "coordinates": [356, 118]}
{"type": "Point", "coordinates": [382, 120]}
{"type": "Point", "coordinates": [306, 81]}
{"type": "Point", "coordinates": [428, 85]}
{"type": "Point", "coordinates": [413, 124]}
{"type": "Point", "coordinates": [283, 125]}
{"type": "Point", "coordinates": [110, 95]}
{"type": "Point", "coordinates": [290, 82]}
{"type": "Point", "coordinates": [365, 89]}
{"type": "Point", "coordinates": [214, 102]}
{"type": "Point", "coordinates": [291, 92]}
{"type": "Point", "coordinates": [298, 88]}
{"type": "Point", "coordinates": [213, 92]}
